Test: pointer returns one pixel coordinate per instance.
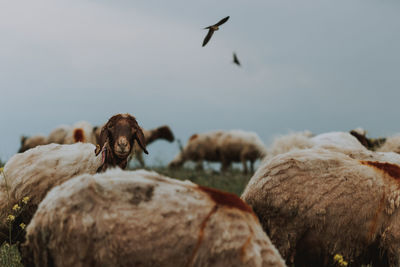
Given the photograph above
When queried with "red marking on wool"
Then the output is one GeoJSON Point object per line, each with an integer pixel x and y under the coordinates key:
{"type": "Point", "coordinates": [201, 235]}
{"type": "Point", "coordinates": [193, 137]}
{"type": "Point", "coordinates": [245, 245]}
{"type": "Point", "coordinates": [79, 135]}
{"type": "Point", "coordinates": [392, 170]}
{"type": "Point", "coordinates": [226, 199]}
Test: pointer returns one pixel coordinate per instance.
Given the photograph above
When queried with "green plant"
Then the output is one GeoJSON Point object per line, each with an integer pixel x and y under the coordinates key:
{"type": "Point", "coordinates": [9, 253]}
{"type": "Point", "coordinates": [10, 256]}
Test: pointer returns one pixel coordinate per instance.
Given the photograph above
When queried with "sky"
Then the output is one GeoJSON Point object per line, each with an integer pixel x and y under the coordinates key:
{"type": "Point", "coordinates": [313, 65]}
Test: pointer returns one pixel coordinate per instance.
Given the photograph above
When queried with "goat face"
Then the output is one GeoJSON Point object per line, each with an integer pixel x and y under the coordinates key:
{"type": "Point", "coordinates": [120, 132]}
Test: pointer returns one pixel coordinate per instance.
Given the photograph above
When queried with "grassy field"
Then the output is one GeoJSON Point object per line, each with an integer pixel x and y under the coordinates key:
{"type": "Point", "coordinates": [233, 181]}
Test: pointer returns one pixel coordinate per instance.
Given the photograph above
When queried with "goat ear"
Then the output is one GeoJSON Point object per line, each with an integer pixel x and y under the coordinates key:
{"type": "Point", "coordinates": [139, 136]}
{"type": "Point", "coordinates": [103, 138]}
{"type": "Point", "coordinates": [23, 139]}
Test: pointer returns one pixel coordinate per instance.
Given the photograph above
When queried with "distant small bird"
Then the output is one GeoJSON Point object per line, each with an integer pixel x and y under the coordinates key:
{"type": "Point", "coordinates": [212, 29]}
{"type": "Point", "coordinates": [235, 59]}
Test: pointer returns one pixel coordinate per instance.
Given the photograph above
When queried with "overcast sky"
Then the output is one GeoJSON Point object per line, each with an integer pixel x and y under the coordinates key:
{"type": "Point", "coordinates": [313, 65]}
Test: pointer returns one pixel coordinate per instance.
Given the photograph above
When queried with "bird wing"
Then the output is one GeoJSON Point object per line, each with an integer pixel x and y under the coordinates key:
{"type": "Point", "coordinates": [208, 36]}
{"type": "Point", "coordinates": [222, 21]}
{"type": "Point", "coordinates": [235, 59]}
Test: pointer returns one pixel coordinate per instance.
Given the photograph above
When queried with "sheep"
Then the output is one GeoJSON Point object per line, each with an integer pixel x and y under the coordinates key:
{"type": "Point", "coordinates": [240, 146]}
{"type": "Point", "coordinates": [119, 135]}
{"type": "Point", "coordinates": [222, 146]}
{"type": "Point", "coordinates": [31, 142]}
{"type": "Point", "coordinates": [162, 132]}
{"type": "Point", "coordinates": [337, 141]}
{"type": "Point", "coordinates": [81, 131]}
{"type": "Point", "coordinates": [140, 218]}
{"type": "Point", "coordinates": [198, 148]}
{"type": "Point", "coordinates": [391, 144]}
{"type": "Point", "coordinates": [59, 134]}
{"type": "Point", "coordinates": [33, 173]}
{"type": "Point", "coordinates": [315, 203]}
{"type": "Point", "coordinates": [289, 142]}
{"type": "Point", "coordinates": [64, 134]}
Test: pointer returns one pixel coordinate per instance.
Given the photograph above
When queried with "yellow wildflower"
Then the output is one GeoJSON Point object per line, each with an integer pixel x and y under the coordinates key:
{"type": "Point", "coordinates": [1, 169]}
{"type": "Point", "coordinates": [25, 200]}
{"type": "Point", "coordinates": [16, 207]}
{"type": "Point", "coordinates": [10, 218]}
{"type": "Point", "coordinates": [338, 257]}
{"type": "Point", "coordinates": [22, 225]}
{"type": "Point", "coordinates": [343, 263]}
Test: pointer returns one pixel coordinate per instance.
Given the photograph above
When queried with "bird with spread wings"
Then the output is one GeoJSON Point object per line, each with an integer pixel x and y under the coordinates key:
{"type": "Point", "coordinates": [213, 28]}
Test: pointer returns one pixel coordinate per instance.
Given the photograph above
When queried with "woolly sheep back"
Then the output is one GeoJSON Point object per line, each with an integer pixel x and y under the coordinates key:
{"type": "Point", "coordinates": [34, 172]}
{"type": "Point", "coordinates": [324, 202]}
{"type": "Point", "coordinates": [140, 218]}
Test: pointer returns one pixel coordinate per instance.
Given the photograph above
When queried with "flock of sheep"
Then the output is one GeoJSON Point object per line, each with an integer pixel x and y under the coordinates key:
{"type": "Point", "coordinates": [311, 198]}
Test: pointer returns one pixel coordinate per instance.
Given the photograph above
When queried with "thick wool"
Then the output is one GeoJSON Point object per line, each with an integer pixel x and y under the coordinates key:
{"type": "Point", "coordinates": [392, 144]}
{"type": "Point", "coordinates": [140, 218]}
{"type": "Point", "coordinates": [289, 142]}
{"type": "Point", "coordinates": [33, 173]}
{"type": "Point", "coordinates": [337, 141]}
{"type": "Point", "coordinates": [315, 203]}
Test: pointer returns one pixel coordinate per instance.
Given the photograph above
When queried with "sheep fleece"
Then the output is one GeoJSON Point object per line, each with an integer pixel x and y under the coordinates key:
{"type": "Point", "coordinates": [347, 203]}
{"type": "Point", "coordinates": [34, 172]}
{"type": "Point", "coordinates": [140, 218]}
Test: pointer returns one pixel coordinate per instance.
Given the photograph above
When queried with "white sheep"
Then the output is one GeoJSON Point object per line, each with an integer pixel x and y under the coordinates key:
{"type": "Point", "coordinates": [140, 218]}
{"type": "Point", "coordinates": [81, 131]}
{"type": "Point", "coordinates": [31, 142]}
{"type": "Point", "coordinates": [222, 146]}
{"type": "Point", "coordinates": [58, 135]}
{"type": "Point", "coordinates": [391, 144]}
{"type": "Point", "coordinates": [315, 203]}
{"type": "Point", "coordinates": [337, 141]}
{"type": "Point", "coordinates": [33, 173]}
{"type": "Point", "coordinates": [289, 142]}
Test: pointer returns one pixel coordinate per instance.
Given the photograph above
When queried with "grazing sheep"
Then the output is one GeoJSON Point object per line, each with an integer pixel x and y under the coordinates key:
{"type": "Point", "coordinates": [31, 142]}
{"type": "Point", "coordinates": [81, 131]}
{"type": "Point", "coordinates": [33, 173]}
{"type": "Point", "coordinates": [198, 148]}
{"type": "Point", "coordinates": [222, 146]}
{"type": "Point", "coordinates": [59, 134]}
{"type": "Point", "coordinates": [240, 146]}
{"type": "Point", "coordinates": [119, 135]}
{"type": "Point", "coordinates": [316, 203]}
{"type": "Point", "coordinates": [160, 133]}
{"type": "Point", "coordinates": [289, 142]}
{"type": "Point", "coordinates": [140, 218]}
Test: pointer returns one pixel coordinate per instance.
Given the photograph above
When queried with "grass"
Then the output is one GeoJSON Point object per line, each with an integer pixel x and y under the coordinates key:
{"type": "Point", "coordinates": [233, 181]}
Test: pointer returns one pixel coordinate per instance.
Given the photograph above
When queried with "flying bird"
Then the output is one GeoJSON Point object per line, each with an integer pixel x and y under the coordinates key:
{"type": "Point", "coordinates": [235, 59]}
{"type": "Point", "coordinates": [212, 29]}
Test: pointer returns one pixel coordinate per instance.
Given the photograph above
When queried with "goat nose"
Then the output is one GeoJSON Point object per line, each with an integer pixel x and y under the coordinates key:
{"type": "Point", "coordinates": [122, 143]}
